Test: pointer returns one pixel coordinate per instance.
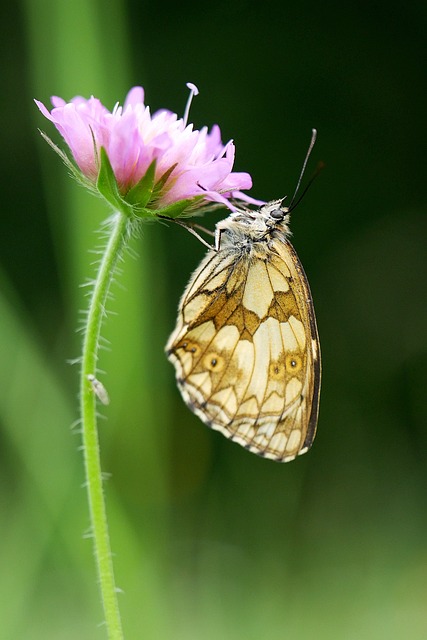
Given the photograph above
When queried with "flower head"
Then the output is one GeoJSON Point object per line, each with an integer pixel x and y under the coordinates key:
{"type": "Point", "coordinates": [182, 162]}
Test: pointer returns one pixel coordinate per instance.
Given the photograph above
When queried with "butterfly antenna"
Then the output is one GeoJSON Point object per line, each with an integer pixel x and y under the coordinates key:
{"type": "Point", "coordinates": [307, 155]}
{"type": "Point", "coordinates": [320, 166]}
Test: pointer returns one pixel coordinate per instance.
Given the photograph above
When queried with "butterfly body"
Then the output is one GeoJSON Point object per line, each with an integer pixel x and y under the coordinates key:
{"type": "Point", "coordinates": [246, 348]}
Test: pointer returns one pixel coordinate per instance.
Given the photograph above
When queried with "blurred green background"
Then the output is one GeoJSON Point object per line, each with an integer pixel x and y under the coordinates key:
{"type": "Point", "coordinates": [211, 541]}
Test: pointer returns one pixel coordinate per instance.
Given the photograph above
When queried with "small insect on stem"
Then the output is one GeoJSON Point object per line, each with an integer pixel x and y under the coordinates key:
{"type": "Point", "coordinates": [99, 390]}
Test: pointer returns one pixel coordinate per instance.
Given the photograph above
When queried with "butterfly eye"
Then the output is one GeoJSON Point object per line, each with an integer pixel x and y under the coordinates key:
{"type": "Point", "coordinates": [277, 214]}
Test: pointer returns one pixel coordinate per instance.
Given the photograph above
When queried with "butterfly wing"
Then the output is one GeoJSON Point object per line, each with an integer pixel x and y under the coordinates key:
{"type": "Point", "coordinates": [246, 349]}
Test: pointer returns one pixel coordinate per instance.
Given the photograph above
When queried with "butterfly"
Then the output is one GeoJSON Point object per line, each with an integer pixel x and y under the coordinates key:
{"type": "Point", "coordinates": [246, 347]}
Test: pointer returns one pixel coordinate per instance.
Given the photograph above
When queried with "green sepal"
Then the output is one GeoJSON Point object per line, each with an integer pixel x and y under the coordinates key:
{"type": "Point", "coordinates": [108, 187]}
{"type": "Point", "coordinates": [141, 194]}
{"type": "Point", "coordinates": [162, 181]}
{"type": "Point", "coordinates": [74, 171]}
{"type": "Point", "coordinates": [176, 209]}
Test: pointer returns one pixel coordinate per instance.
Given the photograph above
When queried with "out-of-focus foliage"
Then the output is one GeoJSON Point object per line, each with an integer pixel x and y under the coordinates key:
{"type": "Point", "coordinates": [210, 541]}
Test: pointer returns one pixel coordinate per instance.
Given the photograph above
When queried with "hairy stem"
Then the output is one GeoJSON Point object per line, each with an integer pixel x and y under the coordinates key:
{"type": "Point", "coordinates": [98, 517]}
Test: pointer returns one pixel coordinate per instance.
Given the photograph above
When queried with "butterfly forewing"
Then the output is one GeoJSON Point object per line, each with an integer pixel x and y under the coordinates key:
{"type": "Point", "coordinates": [245, 348]}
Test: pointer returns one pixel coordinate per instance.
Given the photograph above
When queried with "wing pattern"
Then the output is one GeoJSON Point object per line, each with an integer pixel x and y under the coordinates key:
{"type": "Point", "coordinates": [246, 349]}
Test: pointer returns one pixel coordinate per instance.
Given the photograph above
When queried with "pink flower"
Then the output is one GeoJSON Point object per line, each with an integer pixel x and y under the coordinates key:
{"type": "Point", "coordinates": [199, 164]}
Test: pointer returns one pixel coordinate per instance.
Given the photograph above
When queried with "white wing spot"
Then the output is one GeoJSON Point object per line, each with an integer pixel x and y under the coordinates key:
{"type": "Point", "coordinates": [227, 398]}
{"type": "Point", "coordinates": [250, 407]}
{"type": "Point", "coordinates": [278, 442]}
{"type": "Point", "coordinates": [288, 336]}
{"type": "Point", "coordinates": [293, 440]}
{"type": "Point", "coordinates": [201, 380]}
{"type": "Point", "coordinates": [195, 306]}
{"type": "Point", "coordinates": [258, 292]}
{"type": "Point", "coordinates": [293, 389]}
{"type": "Point", "coordinates": [298, 329]}
{"type": "Point", "coordinates": [226, 338]}
{"type": "Point", "coordinates": [273, 404]}
{"type": "Point", "coordinates": [278, 281]}
{"type": "Point", "coordinates": [259, 377]}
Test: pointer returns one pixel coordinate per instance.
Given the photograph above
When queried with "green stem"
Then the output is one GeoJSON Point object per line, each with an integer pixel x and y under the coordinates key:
{"type": "Point", "coordinates": [98, 517]}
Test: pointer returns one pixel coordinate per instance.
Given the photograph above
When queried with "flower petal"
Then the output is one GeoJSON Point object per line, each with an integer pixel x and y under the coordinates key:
{"type": "Point", "coordinates": [192, 162]}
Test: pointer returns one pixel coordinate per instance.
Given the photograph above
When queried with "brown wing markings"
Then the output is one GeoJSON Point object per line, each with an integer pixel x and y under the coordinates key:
{"type": "Point", "coordinates": [282, 425]}
{"type": "Point", "coordinates": [227, 307]}
{"type": "Point", "coordinates": [283, 306]}
{"type": "Point", "coordinates": [228, 266]}
{"type": "Point", "coordinates": [219, 310]}
{"type": "Point", "coordinates": [240, 400]}
{"type": "Point", "coordinates": [221, 304]}
{"type": "Point", "coordinates": [220, 407]}
{"type": "Point", "coordinates": [278, 418]}
{"type": "Point", "coordinates": [284, 349]}
{"type": "Point", "coordinates": [217, 386]}
{"type": "Point", "coordinates": [270, 340]}
{"type": "Point", "coordinates": [288, 425]}
{"type": "Point", "coordinates": [209, 314]}
{"type": "Point", "coordinates": [254, 422]}
{"type": "Point", "coordinates": [205, 316]}
{"type": "Point", "coordinates": [211, 420]}
{"type": "Point", "coordinates": [203, 287]}
{"type": "Point", "coordinates": [222, 263]}
{"type": "Point", "coordinates": [180, 342]}
{"type": "Point", "coordinates": [275, 264]}
{"type": "Point", "coordinates": [263, 449]}
{"type": "Point", "coordinates": [314, 388]}
{"type": "Point", "coordinates": [199, 320]}
{"type": "Point", "coordinates": [203, 352]}
{"type": "Point", "coordinates": [249, 379]}
{"type": "Point", "coordinates": [280, 421]}
{"type": "Point", "coordinates": [289, 306]}
{"type": "Point", "coordinates": [216, 302]}
{"type": "Point", "coordinates": [312, 423]}
{"type": "Point", "coordinates": [195, 363]}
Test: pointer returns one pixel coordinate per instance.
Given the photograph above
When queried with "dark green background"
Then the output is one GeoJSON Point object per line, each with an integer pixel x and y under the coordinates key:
{"type": "Point", "coordinates": [209, 540]}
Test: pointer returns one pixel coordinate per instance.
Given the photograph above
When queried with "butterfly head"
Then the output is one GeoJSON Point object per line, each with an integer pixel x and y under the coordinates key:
{"type": "Point", "coordinates": [273, 216]}
{"type": "Point", "coordinates": [244, 227]}
{"type": "Point", "coordinates": [275, 213]}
